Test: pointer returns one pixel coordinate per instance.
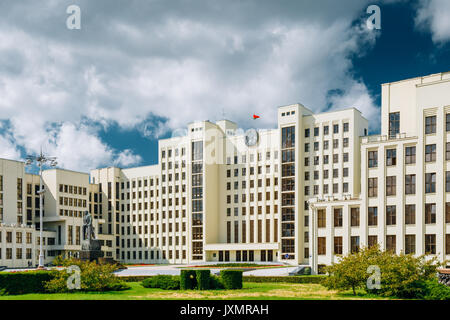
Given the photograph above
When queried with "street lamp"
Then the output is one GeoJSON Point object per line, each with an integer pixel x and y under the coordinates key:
{"type": "Point", "coordinates": [41, 160]}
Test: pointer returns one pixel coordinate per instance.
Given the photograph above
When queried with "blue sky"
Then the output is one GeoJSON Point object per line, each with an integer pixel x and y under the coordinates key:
{"type": "Point", "coordinates": [133, 74]}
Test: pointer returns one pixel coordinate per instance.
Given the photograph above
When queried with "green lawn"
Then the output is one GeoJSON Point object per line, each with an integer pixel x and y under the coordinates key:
{"type": "Point", "coordinates": [251, 291]}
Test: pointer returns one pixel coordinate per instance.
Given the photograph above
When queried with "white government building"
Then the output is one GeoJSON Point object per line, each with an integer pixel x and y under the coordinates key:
{"type": "Point", "coordinates": [314, 188]}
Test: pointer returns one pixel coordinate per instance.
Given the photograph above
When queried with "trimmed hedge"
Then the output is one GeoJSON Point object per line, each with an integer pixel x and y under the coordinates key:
{"type": "Point", "coordinates": [24, 282]}
{"type": "Point", "coordinates": [165, 282]}
{"type": "Point", "coordinates": [286, 279]}
{"type": "Point", "coordinates": [231, 279]}
{"type": "Point", "coordinates": [203, 278]}
{"type": "Point", "coordinates": [188, 280]}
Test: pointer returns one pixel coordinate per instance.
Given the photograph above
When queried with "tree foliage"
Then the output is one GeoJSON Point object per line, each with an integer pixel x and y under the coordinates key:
{"type": "Point", "coordinates": [402, 276]}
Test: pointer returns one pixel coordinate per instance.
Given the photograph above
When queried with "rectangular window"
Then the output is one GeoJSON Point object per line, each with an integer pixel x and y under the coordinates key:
{"type": "Point", "coordinates": [321, 246]}
{"type": "Point", "coordinates": [430, 244]}
{"type": "Point", "coordinates": [447, 212]}
{"type": "Point", "coordinates": [390, 215]}
{"type": "Point", "coordinates": [337, 245]}
{"type": "Point", "coordinates": [391, 157]}
{"type": "Point", "coordinates": [430, 213]}
{"type": "Point", "coordinates": [373, 159]}
{"type": "Point", "coordinates": [391, 186]}
{"type": "Point", "coordinates": [354, 244]}
{"type": "Point", "coordinates": [394, 124]}
{"type": "Point", "coordinates": [391, 243]}
{"type": "Point", "coordinates": [337, 217]}
{"type": "Point", "coordinates": [447, 181]}
{"type": "Point", "coordinates": [354, 212]}
{"type": "Point", "coordinates": [430, 182]}
{"type": "Point", "coordinates": [447, 122]}
{"type": "Point", "coordinates": [321, 218]}
{"type": "Point", "coordinates": [372, 241]}
{"type": "Point", "coordinates": [373, 216]}
{"type": "Point", "coordinates": [447, 151]}
{"type": "Point", "coordinates": [410, 155]}
{"type": "Point", "coordinates": [410, 184]}
{"type": "Point", "coordinates": [430, 125]}
{"type": "Point", "coordinates": [410, 244]}
{"type": "Point", "coordinates": [373, 187]}
{"type": "Point", "coordinates": [430, 153]}
{"type": "Point", "coordinates": [410, 214]}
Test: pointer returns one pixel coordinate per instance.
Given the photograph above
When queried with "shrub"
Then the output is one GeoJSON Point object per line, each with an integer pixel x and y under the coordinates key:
{"type": "Point", "coordinates": [401, 275]}
{"type": "Point", "coordinates": [203, 279]}
{"type": "Point", "coordinates": [231, 279]}
{"type": "Point", "coordinates": [93, 276]}
{"type": "Point", "coordinates": [165, 282]}
{"type": "Point", "coordinates": [24, 282]}
{"type": "Point", "coordinates": [215, 282]}
{"type": "Point", "coordinates": [436, 291]}
{"type": "Point", "coordinates": [188, 280]}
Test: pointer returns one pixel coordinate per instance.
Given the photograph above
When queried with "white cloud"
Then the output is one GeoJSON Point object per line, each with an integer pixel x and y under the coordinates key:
{"type": "Point", "coordinates": [8, 149]}
{"type": "Point", "coordinates": [79, 148]}
{"type": "Point", "coordinates": [433, 15]}
{"type": "Point", "coordinates": [176, 65]}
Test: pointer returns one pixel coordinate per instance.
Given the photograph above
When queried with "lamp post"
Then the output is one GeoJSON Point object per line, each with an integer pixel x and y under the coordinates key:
{"type": "Point", "coordinates": [41, 160]}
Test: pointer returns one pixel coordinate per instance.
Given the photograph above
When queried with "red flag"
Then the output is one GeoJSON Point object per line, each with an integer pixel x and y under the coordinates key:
{"type": "Point", "coordinates": [255, 117]}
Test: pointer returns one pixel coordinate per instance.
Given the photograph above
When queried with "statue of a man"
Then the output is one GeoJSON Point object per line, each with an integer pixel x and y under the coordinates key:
{"type": "Point", "coordinates": [88, 228]}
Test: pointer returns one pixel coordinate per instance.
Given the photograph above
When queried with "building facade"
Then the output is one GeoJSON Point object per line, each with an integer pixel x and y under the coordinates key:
{"type": "Point", "coordinates": [315, 187]}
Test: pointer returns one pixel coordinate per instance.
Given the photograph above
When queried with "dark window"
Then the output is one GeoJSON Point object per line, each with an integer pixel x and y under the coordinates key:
{"type": "Point", "coordinates": [410, 184]}
{"type": "Point", "coordinates": [390, 215]}
{"type": "Point", "coordinates": [394, 124]}
{"type": "Point", "coordinates": [430, 153]}
{"type": "Point", "coordinates": [430, 125]}
{"type": "Point", "coordinates": [373, 159]}
{"type": "Point", "coordinates": [410, 155]}
{"type": "Point", "coordinates": [391, 157]}
{"type": "Point", "coordinates": [430, 182]}
{"type": "Point", "coordinates": [373, 216]}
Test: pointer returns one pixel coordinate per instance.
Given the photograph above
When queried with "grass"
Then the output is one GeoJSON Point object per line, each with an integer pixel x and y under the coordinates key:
{"type": "Point", "coordinates": [250, 291]}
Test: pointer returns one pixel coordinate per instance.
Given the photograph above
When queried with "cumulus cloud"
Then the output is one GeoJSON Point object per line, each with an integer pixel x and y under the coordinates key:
{"type": "Point", "coordinates": [433, 15]}
{"type": "Point", "coordinates": [154, 66]}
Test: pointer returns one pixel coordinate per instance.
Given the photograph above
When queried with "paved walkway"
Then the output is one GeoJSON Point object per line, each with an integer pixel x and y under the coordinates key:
{"type": "Point", "coordinates": [176, 270]}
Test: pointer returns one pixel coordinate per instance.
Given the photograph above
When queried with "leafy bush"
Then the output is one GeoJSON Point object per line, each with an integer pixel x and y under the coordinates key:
{"type": "Point", "coordinates": [402, 275]}
{"type": "Point", "coordinates": [24, 282]}
{"type": "Point", "coordinates": [188, 279]}
{"type": "Point", "coordinates": [165, 282]}
{"type": "Point", "coordinates": [93, 276]}
{"type": "Point", "coordinates": [203, 279]}
{"type": "Point", "coordinates": [231, 279]}
{"type": "Point", "coordinates": [436, 291]}
{"type": "Point", "coordinates": [215, 282]}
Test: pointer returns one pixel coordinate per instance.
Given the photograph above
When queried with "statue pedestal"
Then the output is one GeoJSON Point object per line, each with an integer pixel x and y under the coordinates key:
{"type": "Point", "coordinates": [91, 250]}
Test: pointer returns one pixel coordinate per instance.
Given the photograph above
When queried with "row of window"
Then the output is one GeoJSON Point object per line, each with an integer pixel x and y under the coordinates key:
{"type": "Point", "coordinates": [410, 184]}
{"type": "Point", "coordinates": [345, 144]}
{"type": "Point", "coordinates": [410, 155]}
{"type": "Point", "coordinates": [391, 215]}
{"type": "Point", "coordinates": [252, 184]}
{"type": "Point", "coordinates": [72, 189]}
{"type": "Point", "coordinates": [19, 237]}
{"type": "Point", "coordinates": [409, 245]}
{"type": "Point", "coordinates": [326, 130]}
{"type": "Point", "coordinates": [252, 157]}
{"type": "Point", "coordinates": [177, 152]}
{"type": "Point", "coordinates": [19, 254]}
{"type": "Point", "coordinates": [252, 210]}
{"type": "Point", "coordinates": [251, 236]}
{"type": "Point", "coordinates": [326, 159]}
